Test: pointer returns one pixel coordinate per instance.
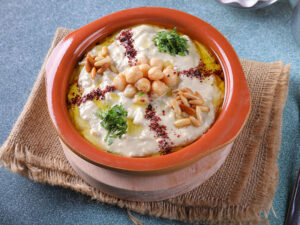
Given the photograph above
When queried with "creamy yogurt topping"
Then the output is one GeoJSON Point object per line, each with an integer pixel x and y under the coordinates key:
{"type": "Point", "coordinates": [142, 141]}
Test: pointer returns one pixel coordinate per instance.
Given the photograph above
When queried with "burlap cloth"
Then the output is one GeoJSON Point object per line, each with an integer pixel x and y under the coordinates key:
{"type": "Point", "coordinates": [240, 191]}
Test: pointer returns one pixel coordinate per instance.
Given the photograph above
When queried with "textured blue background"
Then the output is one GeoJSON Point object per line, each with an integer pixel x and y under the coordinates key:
{"type": "Point", "coordinates": [26, 30]}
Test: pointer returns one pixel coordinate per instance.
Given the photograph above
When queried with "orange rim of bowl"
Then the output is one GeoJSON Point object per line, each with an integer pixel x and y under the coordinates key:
{"type": "Point", "coordinates": [67, 53]}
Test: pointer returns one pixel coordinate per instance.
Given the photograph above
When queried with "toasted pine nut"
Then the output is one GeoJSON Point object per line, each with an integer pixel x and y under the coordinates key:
{"type": "Point", "coordinates": [98, 58]}
{"type": "Point", "coordinates": [196, 102]}
{"type": "Point", "coordinates": [104, 51]}
{"type": "Point", "coordinates": [198, 114]}
{"type": "Point", "coordinates": [204, 108]}
{"type": "Point", "coordinates": [187, 109]}
{"type": "Point", "coordinates": [194, 121]}
{"type": "Point", "coordinates": [113, 68]}
{"type": "Point", "coordinates": [186, 89]}
{"type": "Point", "coordinates": [184, 101]}
{"type": "Point", "coordinates": [182, 123]}
{"type": "Point", "coordinates": [88, 66]}
{"type": "Point", "coordinates": [189, 95]}
{"type": "Point", "coordinates": [176, 91]}
{"type": "Point", "coordinates": [199, 96]}
{"type": "Point", "coordinates": [100, 63]}
{"type": "Point", "coordinates": [93, 73]}
{"type": "Point", "coordinates": [175, 106]}
{"type": "Point", "coordinates": [90, 59]}
{"type": "Point", "coordinates": [103, 68]}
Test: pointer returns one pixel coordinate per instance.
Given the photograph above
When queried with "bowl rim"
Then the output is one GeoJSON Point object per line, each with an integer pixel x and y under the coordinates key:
{"type": "Point", "coordinates": [237, 100]}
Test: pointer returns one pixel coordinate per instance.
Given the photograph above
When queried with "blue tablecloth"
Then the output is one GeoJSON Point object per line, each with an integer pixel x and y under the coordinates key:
{"type": "Point", "coordinates": [27, 28]}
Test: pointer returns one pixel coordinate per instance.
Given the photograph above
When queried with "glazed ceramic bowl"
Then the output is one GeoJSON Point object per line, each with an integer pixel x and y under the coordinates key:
{"type": "Point", "coordinates": [64, 57]}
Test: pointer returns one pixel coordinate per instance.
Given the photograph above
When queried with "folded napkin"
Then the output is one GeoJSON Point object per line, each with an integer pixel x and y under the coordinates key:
{"type": "Point", "coordinates": [239, 192]}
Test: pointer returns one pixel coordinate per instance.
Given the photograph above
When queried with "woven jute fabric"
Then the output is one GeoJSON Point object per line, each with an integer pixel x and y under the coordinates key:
{"type": "Point", "coordinates": [239, 192]}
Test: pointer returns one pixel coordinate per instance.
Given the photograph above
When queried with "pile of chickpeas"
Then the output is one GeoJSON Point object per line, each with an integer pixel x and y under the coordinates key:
{"type": "Point", "coordinates": [148, 75]}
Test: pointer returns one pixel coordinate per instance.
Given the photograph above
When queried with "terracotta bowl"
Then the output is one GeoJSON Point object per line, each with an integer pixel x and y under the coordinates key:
{"type": "Point", "coordinates": [64, 57]}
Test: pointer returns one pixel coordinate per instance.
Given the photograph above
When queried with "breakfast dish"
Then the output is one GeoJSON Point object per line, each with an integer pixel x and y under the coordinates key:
{"type": "Point", "coordinates": [145, 91]}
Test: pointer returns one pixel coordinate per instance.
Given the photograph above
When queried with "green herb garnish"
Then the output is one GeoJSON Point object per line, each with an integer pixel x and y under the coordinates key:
{"type": "Point", "coordinates": [140, 93]}
{"type": "Point", "coordinates": [170, 42]}
{"type": "Point", "coordinates": [114, 121]}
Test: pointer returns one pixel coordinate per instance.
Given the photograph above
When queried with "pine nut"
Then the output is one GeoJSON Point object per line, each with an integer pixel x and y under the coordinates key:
{"type": "Point", "coordinates": [90, 59]}
{"type": "Point", "coordinates": [198, 114]}
{"type": "Point", "coordinates": [88, 66]}
{"type": "Point", "coordinates": [186, 89]}
{"type": "Point", "coordinates": [184, 101]}
{"type": "Point", "coordinates": [103, 68]}
{"type": "Point", "coordinates": [113, 69]}
{"type": "Point", "coordinates": [194, 121]}
{"type": "Point", "coordinates": [204, 108]}
{"type": "Point", "coordinates": [176, 91]}
{"type": "Point", "coordinates": [104, 51]}
{"type": "Point", "coordinates": [196, 102]}
{"type": "Point", "coordinates": [182, 123]}
{"type": "Point", "coordinates": [93, 73]}
{"type": "Point", "coordinates": [175, 106]}
{"type": "Point", "coordinates": [100, 63]}
{"type": "Point", "coordinates": [98, 58]}
{"type": "Point", "coordinates": [187, 109]}
{"type": "Point", "coordinates": [199, 96]}
{"type": "Point", "coordinates": [189, 95]}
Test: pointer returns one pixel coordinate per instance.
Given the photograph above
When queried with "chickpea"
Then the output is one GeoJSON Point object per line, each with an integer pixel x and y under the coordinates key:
{"type": "Point", "coordinates": [144, 68]}
{"type": "Point", "coordinates": [159, 87]}
{"type": "Point", "coordinates": [156, 62]}
{"type": "Point", "coordinates": [133, 74]}
{"type": "Point", "coordinates": [130, 91]}
{"type": "Point", "coordinates": [155, 73]}
{"type": "Point", "coordinates": [143, 85]}
{"type": "Point", "coordinates": [171, 77]}
{"type": "Point", "coordinates": [119, 82]}
{"type": "Point", "coordinates": [143, 60]}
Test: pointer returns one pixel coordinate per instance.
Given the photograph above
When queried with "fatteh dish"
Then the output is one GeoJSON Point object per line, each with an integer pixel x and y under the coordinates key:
{"type": "Point", "coordinates": [145, 91]}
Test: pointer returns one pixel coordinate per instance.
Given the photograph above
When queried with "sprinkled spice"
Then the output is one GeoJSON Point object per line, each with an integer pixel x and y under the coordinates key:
{"type": "Point", "coordinates": [126, 40]}
{"type": "Point", "coordinates": [160, 130]}
{"type": "Point", "coordinates": [93, 95]}
{"type": "Point", "coordinates": [200, 72]}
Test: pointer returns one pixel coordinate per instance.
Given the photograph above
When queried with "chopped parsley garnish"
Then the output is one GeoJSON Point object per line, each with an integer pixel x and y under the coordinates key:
{"type": "Point", "coordinates": [171, 42]}
{"type": "Point", "coordinates": [140, 93]}
{"type": "Point", "coordinates": [114, 121]}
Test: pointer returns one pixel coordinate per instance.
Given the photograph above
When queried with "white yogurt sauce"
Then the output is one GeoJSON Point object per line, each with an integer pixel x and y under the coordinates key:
{"type": "Point", "coordinates": [145, 142]}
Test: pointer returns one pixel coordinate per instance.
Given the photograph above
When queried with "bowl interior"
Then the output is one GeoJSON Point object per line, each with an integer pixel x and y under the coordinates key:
{"type": "Point", "coordinates": [64, 57]}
